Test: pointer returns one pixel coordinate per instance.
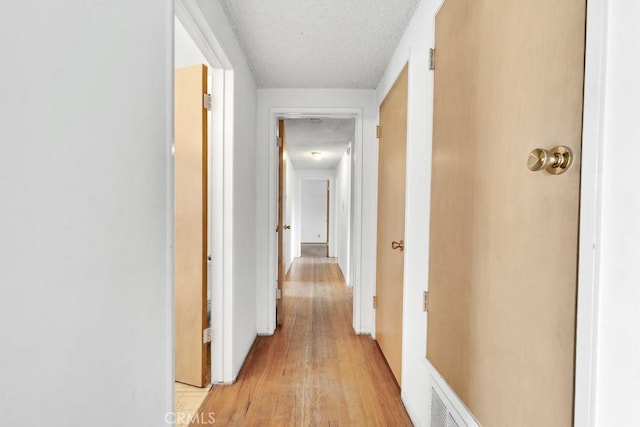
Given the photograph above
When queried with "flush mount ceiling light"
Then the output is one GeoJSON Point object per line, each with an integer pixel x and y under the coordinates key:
{"type": "Point", "coordinates": [316, 154]}
{"type": "Point", "coordinates": [316, 120]}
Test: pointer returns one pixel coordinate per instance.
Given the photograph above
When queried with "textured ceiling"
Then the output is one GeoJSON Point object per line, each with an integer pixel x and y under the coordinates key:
{"type": "Point", "coordinates": [319, 43]}
{"type": "Point", "coordinates": [330, 137]}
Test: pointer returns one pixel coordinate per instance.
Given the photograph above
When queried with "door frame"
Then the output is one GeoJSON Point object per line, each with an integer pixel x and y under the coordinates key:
{"type": "Point", "coordinates": [276, 113]}
{"type": "Point", "coordinates": [330, 177]}
{"type": "Point", "coordinates": [590, 208]}
{"type": "Point", "coordinates": [220, 190]}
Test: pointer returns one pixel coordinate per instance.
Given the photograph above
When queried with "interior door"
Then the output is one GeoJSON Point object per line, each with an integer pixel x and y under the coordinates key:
{"type": "Point", "coordinates": [282, 227]}
{"type": "Point", "coordinates": [390, 245]}
{"type": "Point", "coordinates": [191, 225]}
{"type": "Point", "coordinates": [503, 248]}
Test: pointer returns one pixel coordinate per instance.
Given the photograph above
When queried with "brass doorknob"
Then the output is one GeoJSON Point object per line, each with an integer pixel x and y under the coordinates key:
{"type": "Point", "coordinates": [554, 161]}
{"type": "Point", "coordinates": [398, 245]}
{"type": "Point", "coordinates": [287, 227]}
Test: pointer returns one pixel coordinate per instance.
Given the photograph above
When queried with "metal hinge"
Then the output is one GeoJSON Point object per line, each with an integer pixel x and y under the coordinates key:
{"type": "Point", "coordinates": [206, 336]}
{"type": "Point", "coordinates": [425, 301]}
{"type": "Point", "coordinates": [377, 131]}
{"type": "Point", "coordinates": [375, 302]}
{"type": "Point", "coordinates": [279, 142]}
{"type": "Point", "coordinates": [278, 293]}
{"type": "Point", "coordinates": [207, 101]}
{"type": "Point", "coordinates": [432, 59]}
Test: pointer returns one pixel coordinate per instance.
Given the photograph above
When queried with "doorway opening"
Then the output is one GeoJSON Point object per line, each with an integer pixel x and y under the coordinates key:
{"type": "Point", "coordinates": [193, 142]}
{"type": "Point", "coordinates": [354, 248]}
{"type": "Point", "coordinates": [315, 193]}
{"type": "Point", "coordinates": [314, 217]}
{"type": "Point", "coordinates": [195, 44]}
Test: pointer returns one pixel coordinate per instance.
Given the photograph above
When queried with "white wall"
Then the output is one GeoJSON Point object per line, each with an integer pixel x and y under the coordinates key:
{"type": "Point", "coordinates": [343, 213]}
{"type": "Point", "coordinates": [292, 216]}
{"type": "Point", "coordinates": [185, 50]}
{"type": "Point", "coordinates": [414, 47]}
{"type": "Point", "coordinates": [322, 99]}
{"type": "Point", "coordinates": [240, 192]}
{"type": "Point", "coordinates": [86, 247]}
{"type": "Point", "coordinates": [618, 379]}
{"type": "Point", "coordinates": [313, 211]}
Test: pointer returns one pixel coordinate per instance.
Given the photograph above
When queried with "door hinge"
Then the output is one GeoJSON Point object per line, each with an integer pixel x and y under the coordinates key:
{"type": "Point", "coordinates": [432, 59]}
{"type": "Point", "coordinates": [375, 302]}
{"type": "Point", "coordinates": [377, 131]}
{"type": "Point", "coordinates": [206, 336]}
{"type": "Point", "coordinates": [278, 293]}
{"type": "Point", "coordinates": [425, 301]}
{"type": "Point", "coordinates": [279, 142]}
{"type": "Point", "coordinates": [208, 101]}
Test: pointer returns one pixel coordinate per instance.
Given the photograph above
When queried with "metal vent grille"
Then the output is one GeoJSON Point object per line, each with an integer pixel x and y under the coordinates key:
{"type": "Point", "coordinates": [439, 413]}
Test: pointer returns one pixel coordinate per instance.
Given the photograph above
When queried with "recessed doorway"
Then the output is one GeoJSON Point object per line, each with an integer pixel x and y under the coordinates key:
{"type": "Point", "coordinates": [315, 193]}
{"type": "Point", "coordinates": [314, 215]}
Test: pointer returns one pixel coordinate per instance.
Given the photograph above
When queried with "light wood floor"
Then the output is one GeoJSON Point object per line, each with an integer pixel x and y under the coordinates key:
{"type": "Point", "coordinates": [318, 250]}
{"type": "Point", "coordinates": [314, 371]}
{"type": "Point", "coordinates": [188, 402]}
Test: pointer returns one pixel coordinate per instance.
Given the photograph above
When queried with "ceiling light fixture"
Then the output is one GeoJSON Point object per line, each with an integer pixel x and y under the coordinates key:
{"type": "Point", "coordinates": [316, 154]}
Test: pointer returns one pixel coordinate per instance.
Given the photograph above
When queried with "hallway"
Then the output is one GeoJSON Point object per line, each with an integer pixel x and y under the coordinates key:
{"type": "Point", "coordinates": [314, 370]}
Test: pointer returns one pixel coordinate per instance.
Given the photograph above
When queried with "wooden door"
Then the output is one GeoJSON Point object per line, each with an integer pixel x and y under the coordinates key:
{"type": "Point", "coordinates": [191, 225]}
{"type": "Point", "coordinates": [391, 197]}
{"type": "Point", "coordinates": [282, 180]}
{"type": "Point", "coordinates": [503, 249]}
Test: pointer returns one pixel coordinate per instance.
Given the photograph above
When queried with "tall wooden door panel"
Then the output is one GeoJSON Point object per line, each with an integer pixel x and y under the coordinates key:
{"type": "Point", "coordinates": [281, 228]}
{"type": "Point", "coordinates": [190, 224]}
{"type": "Point", "coordinates": [391, 198]}
{"type": "Point", "coordinates": [503, 249]}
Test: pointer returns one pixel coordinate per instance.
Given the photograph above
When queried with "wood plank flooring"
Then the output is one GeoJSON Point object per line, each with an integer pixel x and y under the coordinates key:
{"type": "Point", "coordinates": [189, 399]}
{"type": "Point", "coordinates": [314, 371]}
{"type": "Point", "coordinates": [317, 250]}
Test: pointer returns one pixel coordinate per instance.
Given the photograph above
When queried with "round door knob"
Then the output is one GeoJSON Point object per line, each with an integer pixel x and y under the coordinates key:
{"type": "Point", "coordinates": [555, 161]}
{"type": "Point", "coordinates": [287, 227]}
{"type": "Point", "coordinates": [398, 245]}
{"type": "Point", "coordinates": [539, 159]}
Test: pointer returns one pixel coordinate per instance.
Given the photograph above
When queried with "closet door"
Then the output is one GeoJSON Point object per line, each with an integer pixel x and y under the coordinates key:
{"type": "Point", "coordinates": [504, 207]}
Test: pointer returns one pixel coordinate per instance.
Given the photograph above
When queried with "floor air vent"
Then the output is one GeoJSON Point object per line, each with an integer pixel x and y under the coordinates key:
{"type": "Point", "coordinates": [440, 414]}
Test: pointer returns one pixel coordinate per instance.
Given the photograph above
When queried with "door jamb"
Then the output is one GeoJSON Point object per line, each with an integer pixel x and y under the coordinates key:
{"type": "Point", "coordinates": [590, 214]}
{"type": "Point", "coordinates": [356, 231]}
